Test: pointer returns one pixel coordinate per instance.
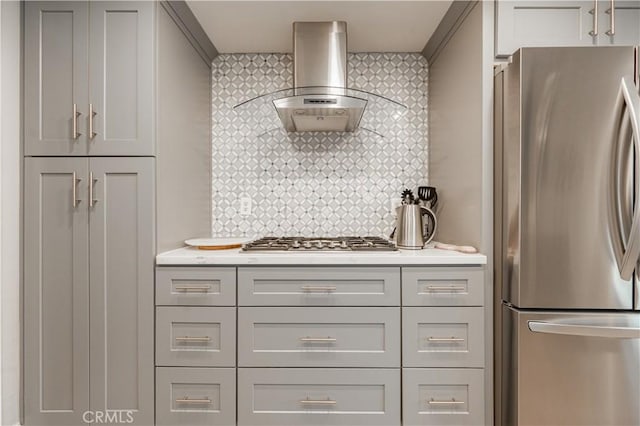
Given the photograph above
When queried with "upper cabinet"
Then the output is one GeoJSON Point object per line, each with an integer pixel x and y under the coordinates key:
{"type": "Point", "coordinates": [89, 78]}
{"type": "Point", "coordinates": [565, 23]}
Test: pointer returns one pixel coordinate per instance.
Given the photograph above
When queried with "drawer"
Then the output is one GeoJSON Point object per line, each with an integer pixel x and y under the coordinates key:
{"type": "Point", "coordinates": [207, 286]}
{"type": "Point", "coordinates": [195, 396]}
{"type": "Point", "coordinates": [442, 396]}
{"type": "Point", "coordinates": [299, 396]}
{"type": "Point", "coordinates": [443, 337]}
{"type": "Point", "coordinates": [195, 336]}
{"type": "Point", "coordinates": [319, 337]}
{"type": "Point", "coordinates": [438, 286]}
{"type": "Point", "coordinates": [321, 286]}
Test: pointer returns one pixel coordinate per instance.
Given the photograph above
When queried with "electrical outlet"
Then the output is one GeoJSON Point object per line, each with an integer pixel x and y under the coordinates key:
{"type": "Point", "coordinates": [394, 202]}
{"type": "Point", "coordinates": [245, 206]}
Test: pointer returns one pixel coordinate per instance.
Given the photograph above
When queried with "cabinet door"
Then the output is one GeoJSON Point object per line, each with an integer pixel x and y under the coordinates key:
{"type": "Point", "coordinates": [623, 28]}
{"type": "Point", "coordinates": [543, 23]}
{"type": "Point", "coordinates": [121, 226]}
{"type": "Point", "coordinates": [56, 292]}
{"type": "Point", "coordinates": [121, 78]}
{"type": "Point", "coordinates": [55, 77]}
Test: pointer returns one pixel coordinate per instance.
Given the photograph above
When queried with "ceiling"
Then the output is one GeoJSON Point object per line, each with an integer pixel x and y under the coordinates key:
{"type": "Point", "coordinates": [265, 26]}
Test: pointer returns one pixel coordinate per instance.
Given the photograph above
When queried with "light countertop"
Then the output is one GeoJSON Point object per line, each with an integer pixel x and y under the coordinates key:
{"type": "Point", "coordinates": [428, 256]}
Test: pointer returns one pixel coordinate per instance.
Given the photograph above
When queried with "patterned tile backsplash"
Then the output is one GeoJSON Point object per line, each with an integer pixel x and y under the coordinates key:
{"type": "Point", "coordinates": [313, 184]}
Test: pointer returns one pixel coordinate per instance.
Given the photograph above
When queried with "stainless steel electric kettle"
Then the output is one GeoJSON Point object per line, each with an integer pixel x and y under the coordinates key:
{"type": "Point", "coordinates": [415, 226]}
{"type": "Point", "coordinates": [415, 223]}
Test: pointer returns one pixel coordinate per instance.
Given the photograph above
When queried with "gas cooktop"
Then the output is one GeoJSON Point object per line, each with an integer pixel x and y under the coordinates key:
{"type": "Point", "coordinates": [335, 244]}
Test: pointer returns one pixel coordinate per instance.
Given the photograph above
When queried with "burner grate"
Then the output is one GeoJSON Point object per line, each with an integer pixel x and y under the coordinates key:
{"type": "Point", "coordinates": [335, 244]}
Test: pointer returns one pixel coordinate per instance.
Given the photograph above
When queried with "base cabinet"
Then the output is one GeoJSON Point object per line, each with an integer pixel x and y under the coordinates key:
{"type": "Point", "coordinates": [300, 347]}
{"type": "Point", "coordinates": [293, 397]}
{"type": "Point", "coordinates": [195, 396]}
{"type": "Point", "coordinates": [442, 396]}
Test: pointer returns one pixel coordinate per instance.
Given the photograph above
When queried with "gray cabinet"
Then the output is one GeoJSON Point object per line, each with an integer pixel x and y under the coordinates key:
{"type": "Point", "coordinates": [55, 77]}
{"type": "Point", "coordinates": [623, 27]}
{"type": "Point", "coordinates": [442, 396]}
{"type": "Point", "coordinates": [192, 336]}
{"type": "Point", "coordinates": [89, 250]}
{"type": "Point", "coordinates": [319, 337]}
{"type": "Point", "coordinates": [121, 77]}
{"type": "Point", "coordinates": [89, 78]}
{"type": "Point", "coordinates": [196, 396]}
{"type": "Point", "coordinates": [319, 286]}
{"type": "Point", "coordinates": [565, 23]}
{"type": "Point", "coordinates": [56, 292]}
{"type": "Point", "coordinates": [301, 396]}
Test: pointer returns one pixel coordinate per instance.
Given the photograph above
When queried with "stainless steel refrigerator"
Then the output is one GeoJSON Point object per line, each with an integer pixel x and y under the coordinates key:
{"type": "Point", "coordinates": [567, 237]}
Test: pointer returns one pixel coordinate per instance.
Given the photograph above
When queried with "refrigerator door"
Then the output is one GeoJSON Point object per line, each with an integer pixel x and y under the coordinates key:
{"type": "Point", "coordinates": [570, 369]}
{"type": "Point", "coordinates": [560, 177]}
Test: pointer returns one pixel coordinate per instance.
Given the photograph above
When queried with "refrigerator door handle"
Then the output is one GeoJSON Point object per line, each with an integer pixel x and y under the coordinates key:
{"type": "Point", "coordinates": [584, 330]}
{"type": "Point", "coordinates": [629, 97]}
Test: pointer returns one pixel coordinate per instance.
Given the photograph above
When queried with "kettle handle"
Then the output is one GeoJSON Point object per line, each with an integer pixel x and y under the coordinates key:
{"type": "Point", "coordinates": [431, 219]}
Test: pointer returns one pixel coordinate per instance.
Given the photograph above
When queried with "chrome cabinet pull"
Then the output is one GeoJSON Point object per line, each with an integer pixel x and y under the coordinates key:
{"type": "Point", "coordinates": [327, 339]}
{"type": "Point", "coordinates": [612, 19]}
{"type": "Point", "coordinates": [74, 126]}
{"type": "Point", "coordinates": [92, 181]}
{"type": "Point", "coordinates": [445, 339]}
{"type": "Point", "coordinates": [594, 12]}
{"type": "Point", "coordinates": [92, 114]}
{"type": "Point", "coordinates": [74, 196]}
{"type": "Point", "coordinates": [187, 400]}
{"type": "Point", "coordinates": [199, 288]}
{"type": "Point", "coordinates": [452, 401]}
{"type": "Point", "coordinates": [319, 288]}
{"type": "Point", "coordinates": [327, 401]}
{"type": "Point", "coordinates": [445, 288]}
{"type": "Point", "coordinates": [193, 338]}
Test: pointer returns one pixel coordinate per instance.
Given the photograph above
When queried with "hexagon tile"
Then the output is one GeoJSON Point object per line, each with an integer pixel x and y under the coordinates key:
{"type": "Point", "coordinates": [313, 184]}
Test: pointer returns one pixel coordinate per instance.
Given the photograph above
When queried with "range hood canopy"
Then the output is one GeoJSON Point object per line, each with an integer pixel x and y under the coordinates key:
{"type": "Point", "coordinates": [319, 81]}
{"type": "Point", "coordinates": [320, 100]}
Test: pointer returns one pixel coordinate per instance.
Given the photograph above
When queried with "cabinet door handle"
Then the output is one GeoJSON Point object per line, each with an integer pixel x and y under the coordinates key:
{"type": "Point", "coordinates": [92, 114]}
{"type": "Point", "coordinates": [92, 181]}
{"type": "Point", "coordinates": [328, 339]}
{"type": "Point", "coordinates": [445, 339]}
{"type": "Point", "coordinates": [452, 401]}
{"type": "Point", "coordinates": [319, 288]}
{"type": "Point", "coordinates": [193, 338]}
{"type": "Point", "coordinates": [74, 195]}
{"type": "Point", "coordinates": [612, 19]}
{"type": "Point", "coordinates": [594, 12]}
{"type": "Point", "coordinates": [187, 400]}
{"type": "Point", "coordinates": [445, 288]}
{"type": "Point", "coordinates": [74, 122]}
{"type": "Point", "coordinates": [327, 401]}
{"type": "Point", "coordinates": [198, 288]}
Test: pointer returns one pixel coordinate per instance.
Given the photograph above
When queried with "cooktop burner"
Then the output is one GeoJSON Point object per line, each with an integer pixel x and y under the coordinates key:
{"type": "Point", "coordinates": [320, 244]}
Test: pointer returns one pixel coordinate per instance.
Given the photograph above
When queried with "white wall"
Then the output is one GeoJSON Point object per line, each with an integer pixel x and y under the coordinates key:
{"type": "Point", "coordinates": [10, 247]}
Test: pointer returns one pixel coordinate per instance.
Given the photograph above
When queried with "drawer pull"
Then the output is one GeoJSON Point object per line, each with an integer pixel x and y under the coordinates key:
{"type": "Point", "coordinates": [327, 339]}
{"type": "Point", "coordinates": [445, 288]}
{"type": "Point", "coordinates": [445, 339]}
{"type": "Point", "coordinates": [318, 401]}
{"type": "Point", "coordinates": [193, 338]}
{"type": "Point", "coordinates": [187, 400]}
{"type": "Point", "coordinates": [444, 402]}
{"type": "Point", "coordinates": [200, 288]}
{"type": "Point", "coordinates": [319, 288]}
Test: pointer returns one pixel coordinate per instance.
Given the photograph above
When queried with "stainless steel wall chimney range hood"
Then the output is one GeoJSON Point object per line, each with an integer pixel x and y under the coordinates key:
{"type": "Point", "coordinates": [320, 101]}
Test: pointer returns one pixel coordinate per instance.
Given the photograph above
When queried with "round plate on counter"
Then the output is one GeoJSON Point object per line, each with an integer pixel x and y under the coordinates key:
{"type": "Point", "coordinates": [217, 243]}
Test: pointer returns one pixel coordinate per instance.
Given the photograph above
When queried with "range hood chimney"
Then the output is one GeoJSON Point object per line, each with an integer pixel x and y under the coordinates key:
{"type": "Point", "coordinates": [320, 102]}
